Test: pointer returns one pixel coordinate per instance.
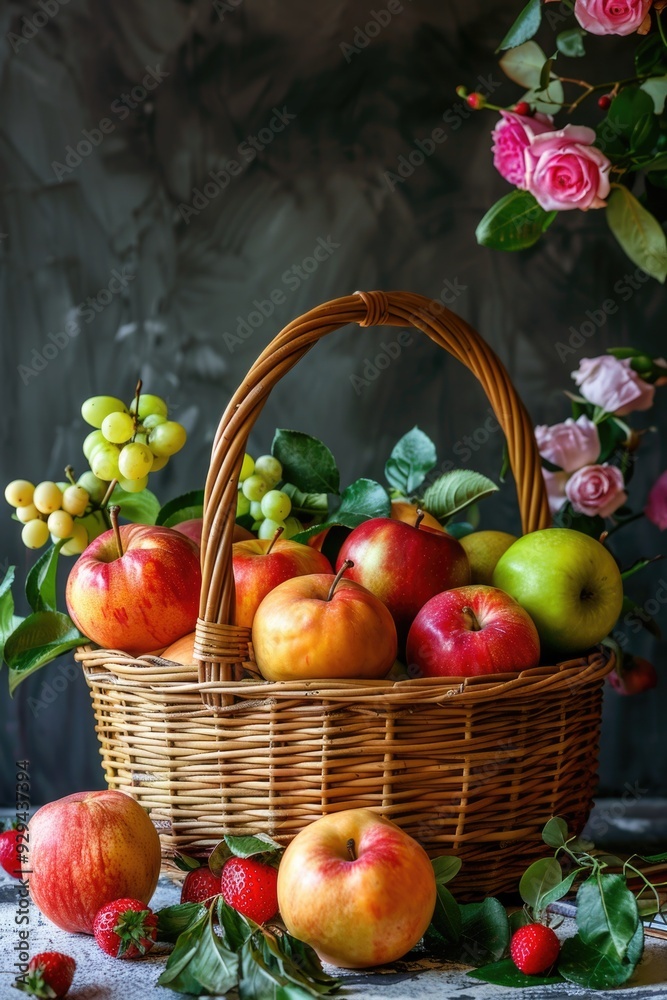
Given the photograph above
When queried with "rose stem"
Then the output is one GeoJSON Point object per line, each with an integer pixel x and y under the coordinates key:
{"type": "Point", "coordinates": [346, 565]}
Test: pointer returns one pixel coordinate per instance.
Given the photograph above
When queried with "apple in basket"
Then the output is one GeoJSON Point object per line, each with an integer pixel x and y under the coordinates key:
{"type": "Point", "coordinates": [356, 888]}
{"type": "Point", "coordinates": [88, 849]}
{"type": "Point", "coordinates": [470, 631]}
{"type": "Point", "coordinates": [404, 565]}
{"type": "Point", "coordinates": [568, 583]}
{"type": "Point", "coordinates": [136, 587]}
{"type": "Point", "coordinates": [321, 626]}
{"type": "Point", "coordinates": [193, 527]}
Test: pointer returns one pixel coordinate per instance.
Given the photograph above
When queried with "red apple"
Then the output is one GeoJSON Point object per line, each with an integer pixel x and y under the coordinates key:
{"type": "Point", "coordinates": [192, 528]}
{"type": "Point", "coordinates": [356, 888]}
{"type": "Point", "coordinates": [86, 850]}
{"type": "Point", "coordinates": [403, 510]}
{"type": "Point", "coordinates": [404, 565]}
{"type": "Point", "coordinates": [141, 600]}
{"type": "Point", "coordinates": [470, 631]}
{"type": "Point", "coordinates": [261, 564]}
{"type": "Point", "coordinates": [322, 626]}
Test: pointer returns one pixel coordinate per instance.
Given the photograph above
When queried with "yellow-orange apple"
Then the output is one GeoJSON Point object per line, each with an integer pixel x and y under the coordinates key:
{"type": "Point", "coordinates": [484, 549]}
{"type": "Point", "coordinates": [356, 888]}
{"type": "Point", "coordinates": [261, 564]}
{"type": "Point", "coordinates": [403, 510]}
{"type": "Point", "coordinates": [404, 565]}
{"type": "Point", "coordinates": [323, 626]}
{"type": "Point", "coordinates": [181, 651]}
{"type": "Point", "coordinates": [469, 631]}
{"type": "Point", "coordinates": [139, 597]}
{"type": "Point", "coordinates": [88, 849]}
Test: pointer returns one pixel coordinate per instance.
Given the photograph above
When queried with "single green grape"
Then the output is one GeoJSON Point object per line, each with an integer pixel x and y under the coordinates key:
{"type": "Point", "coordinates": [104, 462]}
{"type": "Point", "coordinates": [254, 487]}
{"type": "Point", "coordinates": [159, 462]}
{"type": "Point", "coordinates": [270, 468]}
{"type": "Point", "coordinates": [60, 524]}
{"type": "Point", "coordinates": [133, 485]}
{"type": "Point", "coordinates": [276, 505]}
{"type": "Point", "coordinates": [27, 513]}
{"type": "Point", "coordinates": [75, 500]}
{"type": "Point", "coordinates": [268, 528]}
{"type": "Point", "coordinates": [255, 510]}
{"type": "Point", "coordinates": [62, 485]}
{"type": "Point", "coordinates": [149, 404]}
{"type": "Point", "coordinates": [19, 493]}
{"type": "Point", "coordinates": [91, 442]}
{"type": "Point", "coordinates": [94, 487]}
{"type": "Point", "coordinates": [47, 498]}
{"type": "Point", "coordinates": [167, 438]}
{"type": "Point", "coordinates": [95, 409]}
{"type": "Point", "coordinates": [292, 527]}
{"type": "Point", "coordinates": [135, 461]}
{"type": "Point", "coordinates": [77, 543]}
{"type": "Point", "coordinates": [118, 427]}
{"type": "Point", "coordinates": [35, 534]}
{"type": "Point", "coordinates": [242, 505]}
{"type": "Point", "coordinates": [247, 468]}
{"type": "Point", "coordinates": [141, 438]}
{"type": "Point", "coordinates": [152, 420]}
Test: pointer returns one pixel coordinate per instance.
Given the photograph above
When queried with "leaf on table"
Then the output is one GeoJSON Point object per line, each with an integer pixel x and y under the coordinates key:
{"type": "Point", "coordinates": [40, 638]}
{"type": "Point", "coordinates": [445, 922]}
{"type": "Point", "coordinates": [445, 868]}
{"type": "Point", "coordinates": [173, 920]}
{"type": "Point", "coordinates": [607, 915]}
{"type": "Point", "coordinates": [485, 933]}
{"type": "Point", "coordinates": [505, 973]}
{"type": "Point", "coordinates": [306, 462]}
{"type": "Point", "coordinates": [596, 968]}
{"type": "Point", "coordinates": [411, 459]}
{"type": "Point", "coordinates": [541, 877]}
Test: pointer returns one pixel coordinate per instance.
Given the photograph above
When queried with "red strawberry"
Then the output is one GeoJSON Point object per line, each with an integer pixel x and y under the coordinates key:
{"type": "Point", "coordinates": [534, 948]}
{"type": "Point", "coordinates": [125, 928]}
{"type": "Point", "coordinates": [9, 858]}
{"type": "Point", "coordinates": [251, 888]}
{"type": "Point", "coordinates": [50, 975]}
{"type": "Point", "coordinates": [199, 885]}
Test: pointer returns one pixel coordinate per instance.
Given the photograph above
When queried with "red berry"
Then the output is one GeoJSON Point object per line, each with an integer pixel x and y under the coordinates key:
{"type": "Point", "coordinates": [475, 100]}
{"type": "Point", "coordinates": [636, 676]}
{"type": "Point", "coordinates": [125, 928]}
{"type": "Point", "coordinates": [604, 102]}
{"type": "Point", "coordinates": [9, 857]}
{"type": "Point", "coordinates": [534, 949]}
{"type": "Point", "coordinates": [49, 975]}
{"type": "Point", "coordinates": [251, 888]}
{"type": "Point", "coordinates": [199, 885]}
{"type": "Point", "coordinates": [522, 108]}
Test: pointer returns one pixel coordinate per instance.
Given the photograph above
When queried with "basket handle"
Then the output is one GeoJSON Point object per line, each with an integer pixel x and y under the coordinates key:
{"type": "Point", "coordinates": [221, 647]}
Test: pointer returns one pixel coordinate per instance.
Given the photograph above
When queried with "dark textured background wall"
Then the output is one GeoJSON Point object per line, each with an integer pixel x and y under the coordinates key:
{"type": "Point", "coordinates": [190, 271]}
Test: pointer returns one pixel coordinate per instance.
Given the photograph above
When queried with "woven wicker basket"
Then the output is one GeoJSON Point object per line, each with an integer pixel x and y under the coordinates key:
{"type": "Point", "coordinates": [472, 767]}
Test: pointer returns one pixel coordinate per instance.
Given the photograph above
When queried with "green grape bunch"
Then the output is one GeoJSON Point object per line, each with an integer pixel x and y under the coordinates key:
{"type": "Point", "coordinates": [50, 511]}
{"type": "Point", "coordinates": [270, 508]}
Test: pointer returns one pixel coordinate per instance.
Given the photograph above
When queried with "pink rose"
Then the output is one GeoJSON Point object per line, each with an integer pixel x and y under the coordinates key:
{"type": "Point", "coordinates": [511, 136]}
{"type": "Point", "coordinates": [569, 445]}
{"type": "Point", "coordinates": [656, 505]}
{"type": "Point", "coordinates": [611, 17]}
{"type": "Point", "coordinates": [565, 171]}
{"type": "Point", "coordinates": [612, 384]}
{"type": "Point", "coordinates": [555, 484]}
{"type": "Point", "coordinates": [596, 489]}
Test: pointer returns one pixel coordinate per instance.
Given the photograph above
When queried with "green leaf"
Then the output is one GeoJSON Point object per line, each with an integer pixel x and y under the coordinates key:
{"type": "Point", "coordinates": [513, 223]}
{"type": "Point", "coordinates": [644, 135]}
{"type": "Point", "coordinates": [638, 565]}
{"type": "Point", "coordinates": [599, 969]}
{"type": "Point", "coordinates": [445, 868]}
{"type": "Point", "coordinates": [7, 617]}
{"type": "Point", "coordinates": [632, 612]}
{"type": "Point", "coordinates": [411, 459]}
{"type": "Point", "coordinates": [306, 504]}
{"type": "Point", "coordinates": [571, 42]}
{"type": "Point", "coordinates": [524, 27]}
{"type": "Point", "coordinates": [218, 856]}
{"type": "Point", "coordinates": [554, 833]}
{"type": "Point", "coordinates": [360, 501]}
{"type": "Point", "coordinates": [549, 101]}
{"type": "Point", "coordinates": [459, 529]}
{"type": "Point", "coordinates": [524, 64]}
{"type": "Point", "coordinates": [505, 973]}
{"type": "Point", "coordinates": [185, 863]}
{"type": "Point", "coordinates": [566, 517]}
{"type": "Point", "coordinates": [607, 915]}
{"type": "Point", "coordinates": [141, 508]}
{"type": "Point", "coordinates": [281, 968]}
{"type": "Point", "coordinates": [656, 88]}
{"type": "Point", "coordinates": [612, 436]}
{"type": "Point", "coordinates": [40, 584]}
{"type": "Point", "coordinates": [651, 56]}
{"type": "Point", "coordinates": [306, 462]}
{"type": "Point", "coordinates": [446, 919]}
{"type": "Point", "coordinates": [560, 890]}
{"type": "Point", "coordinates": [247, 847]}
{"type": "Point", "coordinates": [214, 965]}
{"type": "Point", "coordinates": [173, 920]}
{"type": "Point", "coordinates": [235, 927]}
{"type": "Point", "coordinates": [539, 878]}
{"type": "Point", "coordinates": [485, 932]}
{"type": "Point", "coordinates": [517, 919]}
{"type": "Point", "coordinates": [183, 508]}
{"type": "Point", "coordinates": [176, 974]}
{"type": "Point", "coordinates": [455, 490]}
{"type": "Point", "coordinates": [40, 638]}
{"type": "Point", "coordinates": [626, 109]}
{"type": "Point", "coordinates": [654, 859]}
{"type": "Point", "coordinates": [545, 75]}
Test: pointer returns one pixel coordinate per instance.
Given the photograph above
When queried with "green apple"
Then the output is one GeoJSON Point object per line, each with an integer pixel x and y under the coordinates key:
{"type": "Point", "coordinates": [568, 583]}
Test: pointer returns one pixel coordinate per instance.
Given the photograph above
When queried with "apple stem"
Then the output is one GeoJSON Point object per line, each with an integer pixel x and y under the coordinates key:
{"type": "Point", "coordinates": [420, 517]}
{"type": "Point", "coordinates": [69, 472]}
{"type": "Point", "coordinates": [137, 393]}
{"type": "Point", "coordinates": [275, 538]}
{"type": "Point", "coordinates": [346, 565]}
{"type": "Point", "coordinates": [476, 627]}
{"type": "Point", "coordinates": [114, 511]}
{"type": "Point", "coordinates": [350, 849]}
{"type": "Point", "coordinates": [107, 496]}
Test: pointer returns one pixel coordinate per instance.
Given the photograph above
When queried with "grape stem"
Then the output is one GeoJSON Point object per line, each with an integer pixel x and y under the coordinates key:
{"type": "Point", "coordinates": [114, 511]}
{"type": "Point", "coordinates": [275, 538]}
{"type": "Point", "coordinates": [137, 393]}
{"type": "Point", "coordinates": [69, 472]}
{"type": "Point", "coordinates": [346, 565]}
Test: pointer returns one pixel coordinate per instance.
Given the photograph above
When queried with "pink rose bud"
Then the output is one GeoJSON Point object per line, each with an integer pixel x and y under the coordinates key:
{"type": "Point", "coordinates": [611, 17]}
{"type": "Point", "coordinates": [637, 675]}
{"type": "Point", "coordinates": [555, 484]}
{"type": "Point", "coordinates": [656, 505]}
{"type": "Point", "coordinates": [565, 171]}
{"type": "Point", "coordinates": [596, 490]}
{"type": "Point", "coordinates": [511, 136]}
{"type": "Point", "coordinates": [569, 445]}
{"type": "Point", "coordinates": [611, 383]}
